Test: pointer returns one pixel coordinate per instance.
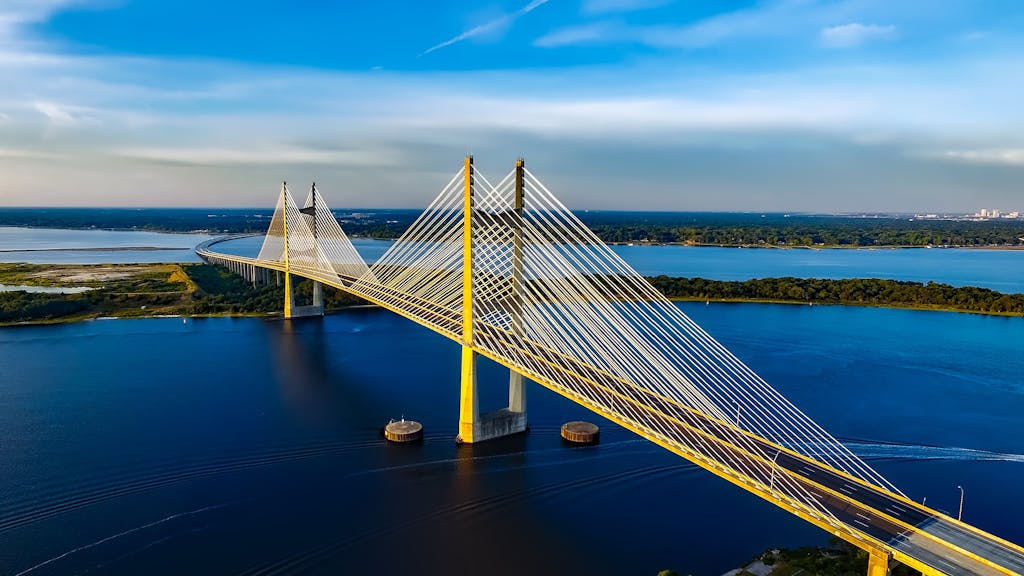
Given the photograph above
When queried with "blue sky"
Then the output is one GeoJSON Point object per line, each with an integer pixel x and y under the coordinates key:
{"type": "Point", "coordinates": [783, 105]}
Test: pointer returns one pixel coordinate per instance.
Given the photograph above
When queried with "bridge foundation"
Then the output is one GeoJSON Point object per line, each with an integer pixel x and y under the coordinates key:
{"type": "Point", "coordinates": [476, 427]}
{"type": "Point", "coordinates": [293, 311]}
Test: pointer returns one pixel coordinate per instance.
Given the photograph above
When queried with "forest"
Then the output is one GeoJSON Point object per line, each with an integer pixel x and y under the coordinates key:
{"type": "Point", "coordinates": [698, 228]}
{"type": "Point", "coordinates": [858, 291]}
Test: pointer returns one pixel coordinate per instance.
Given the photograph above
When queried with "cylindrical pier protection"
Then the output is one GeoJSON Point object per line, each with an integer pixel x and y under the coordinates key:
{"type": "Point", "coordinates": [403, 431]}
{"type": "Point", "coordinates": [581, 432]}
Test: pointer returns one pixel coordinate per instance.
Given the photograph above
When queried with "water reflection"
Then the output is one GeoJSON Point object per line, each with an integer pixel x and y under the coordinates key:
{"type": "Point", "coordinates": [317, 392]}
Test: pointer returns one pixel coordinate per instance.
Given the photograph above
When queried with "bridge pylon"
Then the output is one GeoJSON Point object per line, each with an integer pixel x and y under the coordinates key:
{"type": "Point", "coordinates": [289, 298]}
{"type": "Point", "coordinates": [474, 426]}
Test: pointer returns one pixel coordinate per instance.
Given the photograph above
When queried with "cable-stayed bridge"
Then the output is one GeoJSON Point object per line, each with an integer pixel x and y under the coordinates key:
{"type": "Point", "coordinates": [511, 274]}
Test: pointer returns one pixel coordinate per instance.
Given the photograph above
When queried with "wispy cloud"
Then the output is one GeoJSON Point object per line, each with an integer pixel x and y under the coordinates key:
{"type": "Point", "coordinates": [996, 156]}
{"type": "Point", "coordinates": [767, 19]}
{"type": "Point", "coordinates": [14, 14]}
{"type": "Point", "coordinates": [197, 156]}
{"type": "Point", "coordinates": [63, 114]}
{"type": "Point", "coordinates": [855, 34]}
{"type": "Point", "coordinates": [496, 24]}
{"type": "Point", "coordinates": [576, 35]}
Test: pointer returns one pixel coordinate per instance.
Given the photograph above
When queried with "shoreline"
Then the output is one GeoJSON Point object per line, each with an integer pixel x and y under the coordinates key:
{"type": "Point", "coordinates": [277, 315]}
{"type": "Point", "coordinates": [1011, 247]}
{"type": "Point", "coordinates": [215, 233]}
{"type": "Point", "coordinates": [202, 291]}
{"type": "Point", "coordinates": [100, 249]}
{"type": "Point", "coordinates": [849, 305]}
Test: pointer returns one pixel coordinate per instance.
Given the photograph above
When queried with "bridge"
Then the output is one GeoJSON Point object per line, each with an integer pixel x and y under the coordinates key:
{"type": "Point", "coordinates": [508, 272]}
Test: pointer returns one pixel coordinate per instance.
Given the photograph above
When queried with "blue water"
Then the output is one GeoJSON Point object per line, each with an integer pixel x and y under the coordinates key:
{"type": "Point", "coordinates": [58, 246]}
{"type": "Point", "coordinates": [224, 446]}
{"type": "Point", "coordinates": [1001, 270]}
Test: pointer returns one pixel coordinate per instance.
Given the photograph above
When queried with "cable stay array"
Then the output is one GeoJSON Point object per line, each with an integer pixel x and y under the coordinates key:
{"type": "Point", "coordinates": [553, 301]}
{"type": "Point", "coordinates": [314, 244]}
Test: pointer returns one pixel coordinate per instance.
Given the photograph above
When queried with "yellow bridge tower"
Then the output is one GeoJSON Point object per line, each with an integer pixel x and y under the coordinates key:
{"type": "Point", "coordinates": [474, 426]}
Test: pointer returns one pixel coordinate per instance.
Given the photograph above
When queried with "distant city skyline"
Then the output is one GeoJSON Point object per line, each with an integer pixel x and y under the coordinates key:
{"type": "Point", "coordinates": [833, 106]}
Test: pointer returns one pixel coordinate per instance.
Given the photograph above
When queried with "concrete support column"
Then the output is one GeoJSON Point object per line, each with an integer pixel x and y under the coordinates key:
{"type": "Point", "coordinates": [289, 298]}
{"type": "Point", "coordinates": [469, 408]}
{"type": "Point", "coordinates": [516, 393]}
{"type": "Point", "coordinates": [516, 388]}
{"type": "Point", "coordinates": [318, 296]}
{"type": "Point", "coordinates": [879, 564]}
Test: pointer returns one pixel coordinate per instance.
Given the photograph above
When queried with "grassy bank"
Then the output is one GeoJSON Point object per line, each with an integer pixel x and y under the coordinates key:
{"type": "Point", "coordinates": [142, 290]}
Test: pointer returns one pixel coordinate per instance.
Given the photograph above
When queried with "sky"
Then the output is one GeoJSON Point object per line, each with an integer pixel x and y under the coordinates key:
{"type": "Point", "coordinates": [772, 105]}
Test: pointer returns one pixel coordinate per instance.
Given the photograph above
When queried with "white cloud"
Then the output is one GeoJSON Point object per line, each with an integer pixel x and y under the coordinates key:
{"type": "Point", "coordinates": [769, 19]}
{"type": "Point", "coordinates": [575, 35]}
{"type": "Point", "coordinates": [173, 121]}
{"type": "Point", "coordinates": [15, 14]}
{"type": "Point", "coordinates": [55, 113]}
{"type": "Point", "coordinates": [855, 34]}
{"type": "Point", "coordinates": [995, 156]}
{"type": "Point", "coordinates": [493, 25]}
{"type": "Point", "coordinates": [247, 155]}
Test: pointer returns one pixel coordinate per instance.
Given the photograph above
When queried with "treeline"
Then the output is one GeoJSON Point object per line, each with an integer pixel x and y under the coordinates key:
{"type": "Point", "coordinates": [26, 306]}
{"type": "Point", "coordinates": [861, 291]}
{"type": "Point", "coordinates": [220, 291]}
{"type": "Point", "coordinates": [214, 291]}
{"type": "Point", "coordinates": [200, 289]}
{"type": "Point", "coordinates": [372, 224]}
{"type": "Point", "coordinates": [833, 232]}
{"type": "Point", "coordinates": [723, 229]}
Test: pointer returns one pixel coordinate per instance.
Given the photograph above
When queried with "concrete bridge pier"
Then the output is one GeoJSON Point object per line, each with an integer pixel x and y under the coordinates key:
{"type": "Point", "coordinates": [318, 296]}
{"type": "Point", "coordinates": [293, 311]}
{"type": "Point", "coordinates": [476, 427]}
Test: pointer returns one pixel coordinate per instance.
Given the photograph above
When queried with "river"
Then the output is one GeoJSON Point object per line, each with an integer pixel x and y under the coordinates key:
{"type": "Point", "coordinates": [59, 246]}
{"type": "Point", "coordinates": [221, 446]}
{"type": "Point", "coordinates": [1001, 270]}
{"type": "Point", "coordinates": [229, 446]}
